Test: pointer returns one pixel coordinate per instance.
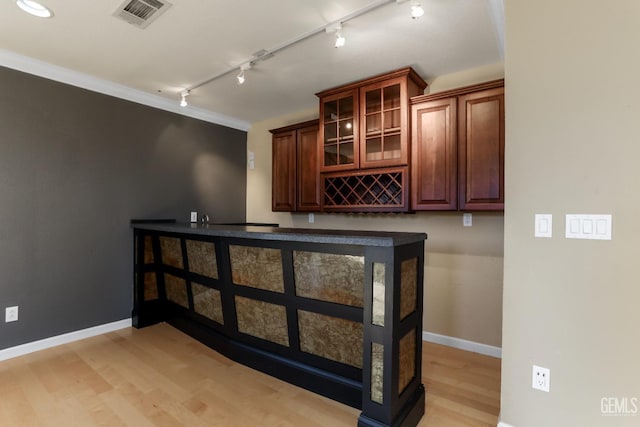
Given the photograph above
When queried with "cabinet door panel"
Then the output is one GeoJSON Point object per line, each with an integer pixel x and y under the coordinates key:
{"type": "Point", "coordinates": [384, 126]}
{"type": "Point", "coordinates": [481, 150]}
{"type": "Point", "coordinates": [433, 175]}
{"type": "Point", "coordinates": [283, 196]}
{"type": "Point", "coordinates": [308, 197]}
{"type": "Point", "coordinates": [337, 144]}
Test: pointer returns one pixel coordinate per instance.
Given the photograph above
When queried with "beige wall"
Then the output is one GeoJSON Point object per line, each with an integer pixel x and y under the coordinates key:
{"type": "Point", "coordinates": [572, 146]}
{"type": "Point", "coordinates": [463, 266]}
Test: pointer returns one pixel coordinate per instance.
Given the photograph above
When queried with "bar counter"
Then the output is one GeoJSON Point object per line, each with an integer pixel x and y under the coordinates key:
{"type": "Point", "coordinates": [336, 312]}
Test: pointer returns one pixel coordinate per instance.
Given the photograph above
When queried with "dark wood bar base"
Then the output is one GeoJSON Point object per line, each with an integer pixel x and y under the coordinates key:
{"type": "Point", "coordinates": [337, 313]}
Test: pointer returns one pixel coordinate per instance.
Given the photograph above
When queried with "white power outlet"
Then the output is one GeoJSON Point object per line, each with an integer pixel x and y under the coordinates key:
{"type": "Point", "coordinates": [194, 216]}
{"type": "Point", "coordinates": [11, 314]}
{"type": "Point", "coordinates": [467, 219]}
{"type": "Point", "coordinates": [541, 378]}
{"type": "Point", "coordinates": [312, 218]}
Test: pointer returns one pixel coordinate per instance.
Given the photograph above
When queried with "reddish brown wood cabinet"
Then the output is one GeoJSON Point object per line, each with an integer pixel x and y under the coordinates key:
{"type": "Point", "coordinates": [458, 149]}
{"type": "Point", "coordinates": [363, 146]}
{"type": "Point", "coordinates": [481, 150]}
{"type": "Point", "coordinates": [433, 145]}
{"type": "Point", "coordinates": [295, 176]}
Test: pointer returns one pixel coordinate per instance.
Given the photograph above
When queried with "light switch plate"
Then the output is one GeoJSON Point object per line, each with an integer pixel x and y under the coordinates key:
{"type": "Point", "coordinates": [591, 227]}
{"type": "Point", "coordinates": [543, 225]}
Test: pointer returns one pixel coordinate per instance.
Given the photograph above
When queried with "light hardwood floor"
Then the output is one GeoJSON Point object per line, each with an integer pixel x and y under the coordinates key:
{"type": "Point", "coordinates": [158, 376]}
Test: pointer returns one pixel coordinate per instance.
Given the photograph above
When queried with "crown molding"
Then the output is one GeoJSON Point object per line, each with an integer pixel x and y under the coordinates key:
{"type": "Point", "coordinates": [74, 78]}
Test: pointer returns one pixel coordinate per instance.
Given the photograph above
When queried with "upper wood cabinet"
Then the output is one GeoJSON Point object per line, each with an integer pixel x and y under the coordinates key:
{"type": "Point", "coordinates": [481, 150]}
{"type": "Point", "coordinates": [433, 145]}
{"type": "Point", "coordinates": [458, 149]}
{"type": "Point", "coordinates": [295, 176]}
{"type": "Point", "coordinates": [365, 124]}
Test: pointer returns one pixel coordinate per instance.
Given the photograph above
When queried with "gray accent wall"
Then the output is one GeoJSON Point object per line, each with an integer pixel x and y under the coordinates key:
{"type": "Point", "coordinates": [75, 167]}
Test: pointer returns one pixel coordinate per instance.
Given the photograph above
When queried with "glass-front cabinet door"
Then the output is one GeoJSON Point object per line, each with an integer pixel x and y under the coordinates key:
{"type": "Point", "coordinates": [384, 124]}
{"type": "Point", "coordinates": [339, 149]}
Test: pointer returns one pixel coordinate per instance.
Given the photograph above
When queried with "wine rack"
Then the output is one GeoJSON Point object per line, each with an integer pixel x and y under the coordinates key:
{"type": "Point", "coordinates": [381, 190]}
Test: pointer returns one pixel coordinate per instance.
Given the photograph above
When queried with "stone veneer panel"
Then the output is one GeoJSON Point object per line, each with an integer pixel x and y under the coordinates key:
{"type": "Point", "coordinates": [262, 320]}
{"type": "Point", "coordinates": [176, 289]}
{"type": "Point", "coordinates": [257, 267]}
{"type": "Point", "coordinates": [377, 371]}
{"type": "Point", "coordinates": [329, 277]}
{"type": "Point", "coordinates": [202, 258]}
{"type": "Point", "coordinates": [171, 251]}
{"type": "Point", "coordinates": [331, 337]}
{"type": "Point", "coordinates": [407, 360]}
{"type": "Point", "coordinates": [148, 250]}
{"type": "Point", "coordinates": [207, 302]}
{"type": "Point", "coordinates": [408, 287]}
{"type": "Point", "coordinates": [150, 286]}
{"type": "Point", "coordinates": [378, 294]}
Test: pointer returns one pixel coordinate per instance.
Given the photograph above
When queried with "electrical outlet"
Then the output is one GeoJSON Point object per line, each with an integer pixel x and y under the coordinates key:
{"type": "Point", "coordinates": [11, 314]}
{"type": "Point", "coordinates": [467, 219]}
{"type": "Point", "coordinates": [540, 378]}
{"type": "Point", "coordinates": [194, 216]}
{"type": "Point", "coordinates": [312, 218]}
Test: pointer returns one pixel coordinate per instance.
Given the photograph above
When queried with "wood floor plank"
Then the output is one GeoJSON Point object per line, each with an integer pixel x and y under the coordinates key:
{"type": "Point", "coordinates": [158, 376]}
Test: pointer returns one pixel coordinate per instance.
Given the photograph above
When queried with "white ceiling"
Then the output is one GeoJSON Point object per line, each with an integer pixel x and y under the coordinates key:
{"type": "Point", "coordinates": [198, 39]}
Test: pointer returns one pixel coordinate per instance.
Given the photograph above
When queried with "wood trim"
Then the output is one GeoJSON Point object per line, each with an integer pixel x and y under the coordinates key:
{"type": "Point", "coordinates": [402, 72]}
{"type": "Point", "coordinates": [493, 84]}
{"type": "Point", "coordinates": [296, 126]}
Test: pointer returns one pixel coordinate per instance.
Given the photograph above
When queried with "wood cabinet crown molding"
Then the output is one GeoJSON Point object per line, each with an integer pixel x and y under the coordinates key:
{"type": "Point", "coordinates": [402, 72]}
{"type": "Point", "coordinates": [493, 84]}
{"type": "Point", "coordinates": [295, 126]}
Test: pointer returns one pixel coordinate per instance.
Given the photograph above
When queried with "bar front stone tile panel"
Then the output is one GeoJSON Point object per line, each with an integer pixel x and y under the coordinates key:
{"type": "Point", "coordinates": [171, 251]}
{"type": "Point", "coordinates": [150, 286]}
{"type": "Point", "coordinates": [207, 302]}
{"type": "Point", "coordinates": [257, 267]}
{"type": "Point", "coordinates": [407, 360]}
{"type": "Point", "coordinates": [408, 286]}
{"type": "Point", "coordinates": [262, 320]}
{"type": "Point", "coordinates": [377, 371]}
{"type": "Point", "coordinates": [148, 250]}
{"type": "Point", "coordinates": [378, 294]}
{"type": "Point", "coordinates": [329, 277]}
{"type": "Point", "coordinates": [331, 337]}
{"type": "Point", "coordinates": [176, 289]}
{"type": "Point", "coordinates": [202, 258]}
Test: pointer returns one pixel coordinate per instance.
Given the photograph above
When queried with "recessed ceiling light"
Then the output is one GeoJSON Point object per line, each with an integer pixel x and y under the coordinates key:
{"type": "Point", "coordinates": [34, 8]}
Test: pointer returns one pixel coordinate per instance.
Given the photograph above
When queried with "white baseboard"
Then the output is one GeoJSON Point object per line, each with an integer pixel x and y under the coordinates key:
{"type": "Point", "coordinates": [34, 346]}
{"type": "Point", "coordinates": [461, 344]}
{"type": "Point", "coordinates": [503, 424]}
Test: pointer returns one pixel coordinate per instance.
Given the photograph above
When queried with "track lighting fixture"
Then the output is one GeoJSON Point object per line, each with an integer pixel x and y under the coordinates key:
{"type": "Point", "coordinates": [337, 28]}
{"type": "Point", "coordinates": [184, 94]}
{"type": "Point", "coordinates": [244, 67]}
{"type": "Point", "coordinates": [416, 10]}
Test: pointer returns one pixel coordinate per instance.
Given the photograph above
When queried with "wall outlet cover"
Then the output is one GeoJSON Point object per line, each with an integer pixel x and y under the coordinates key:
{"type": "Point", "coordinates": [194, 216]}
{"type": "Point", "coordinates": [540, 378]}
{"type": "Point", "coordinates": [11, 314]}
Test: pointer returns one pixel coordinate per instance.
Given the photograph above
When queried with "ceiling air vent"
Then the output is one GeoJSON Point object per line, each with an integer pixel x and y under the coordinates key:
{"type": "Point", "coordinates": [141, 13]}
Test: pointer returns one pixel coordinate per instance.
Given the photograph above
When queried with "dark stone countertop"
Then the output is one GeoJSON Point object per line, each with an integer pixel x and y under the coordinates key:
{"type": "Point", "coordinates": [304, 235]}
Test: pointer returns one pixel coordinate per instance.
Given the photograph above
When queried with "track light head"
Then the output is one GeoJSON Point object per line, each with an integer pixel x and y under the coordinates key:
{"type": "Point", "coordinates": [336, 28]}
{"type": "Point", "coordinates": [340, 40]}
{"type": "Point", "coordinates": [416, 10]}
{"type": "Point", "coordinates": [244, 67]}
{"type": "Point", "coordinates": [183, 101]}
